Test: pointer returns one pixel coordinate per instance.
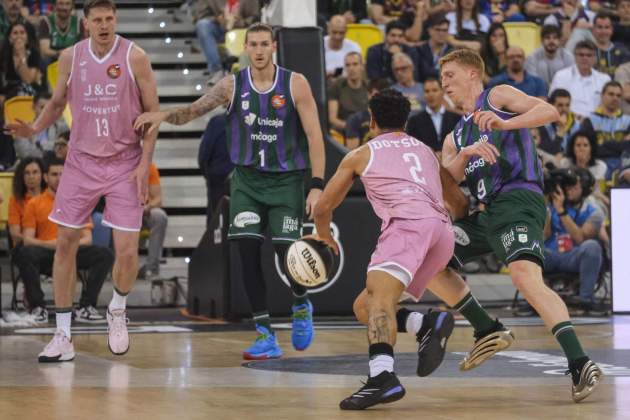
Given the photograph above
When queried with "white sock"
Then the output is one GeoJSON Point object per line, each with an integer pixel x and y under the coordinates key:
{"type": "Point", "coordinates": [118, 301]}
{"type": "Point", "coordinates": [381, 363]}
{"type": "Point", "coordinates": [414, 323]}
{"type": "Point", "coordinates": [64, 320]}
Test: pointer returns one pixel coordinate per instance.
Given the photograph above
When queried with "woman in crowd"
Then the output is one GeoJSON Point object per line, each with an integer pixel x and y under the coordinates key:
{"type": "Point", "coordinates": [20, 64]}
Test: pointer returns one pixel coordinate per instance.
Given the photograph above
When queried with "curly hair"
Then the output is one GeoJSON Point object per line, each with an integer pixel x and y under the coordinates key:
{"type": "Point", "coordinates": [390, 109]}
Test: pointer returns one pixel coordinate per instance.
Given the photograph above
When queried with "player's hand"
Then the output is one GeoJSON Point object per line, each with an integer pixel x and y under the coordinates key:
{"type": "Point", "coordinates": [487, 151]}
{"type": "Point", "coordinates": [488, 120]}
{"type": "Point", "coordinates": [141, 176]}
{"type": "Point", "coordinates": [327, 239]}
{"type": "Point", "coordinates": [311, 201]}
{"type": "Point", "coordinates": [19, 129]}
{"type": "Point", "coordinates": [153, 119]}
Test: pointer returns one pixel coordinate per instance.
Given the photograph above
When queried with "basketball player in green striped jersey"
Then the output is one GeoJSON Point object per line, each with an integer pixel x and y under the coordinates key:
{"type": "Point", "coordinates": [274, 136]}
{"type": "Point", "coordinates": [492, 149]}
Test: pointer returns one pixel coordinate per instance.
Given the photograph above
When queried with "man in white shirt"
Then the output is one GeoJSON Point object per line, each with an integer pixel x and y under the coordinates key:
{"type": "Point", "coordinates": [582, 80]}
{"type": "Point", "coordinates": [551, 57]}
{"type": "Point", "coordinates": [336, 46]}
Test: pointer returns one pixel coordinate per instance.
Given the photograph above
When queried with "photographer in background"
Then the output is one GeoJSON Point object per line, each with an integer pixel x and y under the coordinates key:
{"type": "Point", "coordinates": [571, 231]}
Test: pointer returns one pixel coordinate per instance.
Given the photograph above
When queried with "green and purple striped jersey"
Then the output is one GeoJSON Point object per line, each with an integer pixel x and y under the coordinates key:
{"type": "Point", "coordinates": [264, 130]}
{"type": "Point", "coordinates": [518, 165]}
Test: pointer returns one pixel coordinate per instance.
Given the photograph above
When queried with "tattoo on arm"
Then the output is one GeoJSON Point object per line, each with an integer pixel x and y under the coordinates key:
{"type": "Point", "coordinates": [219, 95]}
{"type": "Point", "coordinates": [378, 327]}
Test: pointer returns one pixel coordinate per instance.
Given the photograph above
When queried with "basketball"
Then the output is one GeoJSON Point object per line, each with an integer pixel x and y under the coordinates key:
{"type": "Point", "coordinates": [308, 262]}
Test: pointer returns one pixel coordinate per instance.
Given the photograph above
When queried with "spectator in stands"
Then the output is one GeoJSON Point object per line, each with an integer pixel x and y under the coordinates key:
{"type": "Point", "coordinates": [571, 18]}
{"type": "Point", "coordinates": [28, 182]}
{"type": "Point", "coordinates": [582, 80]}
{"type": "Point", "coordinates": [384, 11]}
{"type": "Point", "coordinates": [610, 55]}
{"type": "Point", "coordinates": [516, 76]}
{"type": "Point", "coordinates": [467, 25]}
{"type": "Point", "coordinates": [622, 75]}
{"type": "Point", "coordinates": [494, 50]}
{"type": "Point", "coordinates": [61, 29]}
{"type": "Point", "coordinates": [621, 32]}
{"type": "Point", "coordinates": [538, 10]}
{"type": "Point", "coordinates": [440, 7]}
{"type": "Point", "coordinates": [582, 152]}
{"type": "Point", "coordinates": [37, 254]}
{"type": "Point", "coordinates": [547, 60]}
{"type": "Point", "coordinates": [379, 56]}
{"type": "Point", "coordinates": [413, 18]}
{"type": "Point", "coordinates": [433, 124]}
{"type": "Point", "coordinates": [213, 18]}
{"type": "Point", "coordinates": [10, 14]}
{"type": "Point", "coordinates": [570, 232]}
{"type": "Point", "coordinates": [38, 8]}
{"type": "Point", "coordinates": [358, 124]}
{"type": "Point", "coordinates": [20, 68]}
{"type": "Point", "coordinates": [505, 11]}
{"type": "Point", "coordinates": [336, 46]}
{"type": "Point", "coordinates": [154, 218]}
{"type": "Point", "coordinates": [430, 52]}
{"type": "Point", "coordinates": [624, 174]}
{"type": "Point", "coordinates": [560, 132]}
{"type": "Point", "coordinates": [60, 148]}
{"type": "Point", "coordinates": [353, 11]}
{"type": "Point", "coordinates": [348, 94]}
{"type": "Point", "coordinates": [43, 142]}
{"type": "Point", "coordinates": [402, 66]}
{"type": "Point", "coordinates": [610, 126]}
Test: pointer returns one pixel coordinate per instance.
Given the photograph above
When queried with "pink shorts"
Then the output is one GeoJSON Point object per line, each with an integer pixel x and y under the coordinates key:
{"type": "Point", "coordinates": [86, 179]}
{"type": "Point", "coordinates": [414, 251]}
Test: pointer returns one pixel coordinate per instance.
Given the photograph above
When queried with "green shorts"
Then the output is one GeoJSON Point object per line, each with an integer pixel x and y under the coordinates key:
{"type": "Point", "coordinates": [511, 227]}
{"type": "Point", "coordinates": [260, 199]}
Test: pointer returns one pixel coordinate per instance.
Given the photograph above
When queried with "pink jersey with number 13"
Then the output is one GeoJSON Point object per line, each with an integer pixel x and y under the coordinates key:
{"type": "Point", "coordinates": [104, 100]}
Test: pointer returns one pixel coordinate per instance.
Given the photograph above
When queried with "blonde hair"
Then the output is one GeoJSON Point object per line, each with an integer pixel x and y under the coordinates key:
{"type": "Point", "coordinates": [465, 57]}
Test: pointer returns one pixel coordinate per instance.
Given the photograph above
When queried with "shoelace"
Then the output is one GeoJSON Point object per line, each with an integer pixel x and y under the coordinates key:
{"type": "Point", "coordinates": [119, 322]}
{"type": "Point", "coordinates": [302, 314]}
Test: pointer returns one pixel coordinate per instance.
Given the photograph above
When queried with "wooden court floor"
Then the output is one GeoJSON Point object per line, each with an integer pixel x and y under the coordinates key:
{"type": "Point", "coordinates": [200, 375]}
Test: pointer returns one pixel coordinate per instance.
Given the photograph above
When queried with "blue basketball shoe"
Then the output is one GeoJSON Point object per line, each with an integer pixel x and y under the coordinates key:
{"type": "Point", "coordinates": [265, 346]}
{"type": "Point", "coordinates": [303, 332]}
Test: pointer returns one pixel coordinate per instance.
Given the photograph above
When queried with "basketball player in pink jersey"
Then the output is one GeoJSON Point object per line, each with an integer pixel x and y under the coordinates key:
{"type": "Point", "coordinates": [402, 182]}
{"type": "Point", "coordinates": [108, 82]}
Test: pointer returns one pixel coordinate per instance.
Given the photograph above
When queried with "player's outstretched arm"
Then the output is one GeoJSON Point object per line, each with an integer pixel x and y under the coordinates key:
{"type": "Point", "coordinates": [54, 108]}
{"type": "Point", "coordinates": [219, 94]}
{"type": "Point", "coordinates": [533, 112]}
{"type": "Point", "coordinates": [336, 190]}
{"type": "Point", "coordinates": [307, 110]}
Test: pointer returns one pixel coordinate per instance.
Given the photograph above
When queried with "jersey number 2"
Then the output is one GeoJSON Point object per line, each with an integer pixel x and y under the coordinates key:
{"type": "Point", "coordinates": [416, 168]}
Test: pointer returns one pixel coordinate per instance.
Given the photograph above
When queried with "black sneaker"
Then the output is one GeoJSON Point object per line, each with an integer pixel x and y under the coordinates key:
{"type": "Point", "coordinates": [382, 389]}
{"type": "Point", "coordinates": [586, 375]}
{"type": "Point", "coordinates": [437, 327]}
{"type": "Point", "coordinates": [487, 344]}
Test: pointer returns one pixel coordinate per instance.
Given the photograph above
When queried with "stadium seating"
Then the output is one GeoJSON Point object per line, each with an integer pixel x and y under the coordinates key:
{"type": "Point", "coordinates": [365, 35]}
{"type": "Point", "coordinates": [19, 108]}
{"type": "Point", "coordinates": [523, 34]}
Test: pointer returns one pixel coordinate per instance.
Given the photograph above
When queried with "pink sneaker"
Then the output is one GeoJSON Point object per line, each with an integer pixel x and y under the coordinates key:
{"type": "Point", "coordinates": [60, 349]}
{"type": "Point", "coordinates": [118, 337]}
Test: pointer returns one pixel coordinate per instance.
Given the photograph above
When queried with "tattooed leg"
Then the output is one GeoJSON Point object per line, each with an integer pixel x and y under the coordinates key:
{"type": "Point", "coordinates": [383, 292]}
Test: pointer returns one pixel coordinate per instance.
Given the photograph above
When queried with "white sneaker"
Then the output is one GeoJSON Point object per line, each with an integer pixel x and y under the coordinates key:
{"type": "Point", "coordinates": [117, 335]}
{"type": "Point", "coordinates": [39, 315]}
{"type": "Point", "coordinates": [88, 315]}
{"type": "Point", "coordinates": [60, 349]}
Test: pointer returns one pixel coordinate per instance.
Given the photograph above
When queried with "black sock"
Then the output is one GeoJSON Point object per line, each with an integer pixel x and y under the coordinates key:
{"type": "Point", "coordinates": [255, 288]}
{"type": "Point", "coordinates": [401, 319]}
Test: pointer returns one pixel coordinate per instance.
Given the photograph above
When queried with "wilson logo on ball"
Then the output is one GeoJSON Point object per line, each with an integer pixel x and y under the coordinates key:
{"type": "Point", "coordinates": [309, 262]}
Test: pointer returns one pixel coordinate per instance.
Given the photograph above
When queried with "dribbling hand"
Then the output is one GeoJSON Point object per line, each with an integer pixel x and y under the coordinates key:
{"type": "Point", "coordinates": [328, 240]}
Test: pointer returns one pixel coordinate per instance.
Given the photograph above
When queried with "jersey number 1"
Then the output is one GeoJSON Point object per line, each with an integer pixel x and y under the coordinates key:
{"type": "Point", "coordinates": [416, 168]}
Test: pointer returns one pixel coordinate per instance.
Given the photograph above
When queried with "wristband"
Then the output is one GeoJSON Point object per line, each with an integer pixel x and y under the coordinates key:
{"type": "Point", "coordinates": [317, 183]}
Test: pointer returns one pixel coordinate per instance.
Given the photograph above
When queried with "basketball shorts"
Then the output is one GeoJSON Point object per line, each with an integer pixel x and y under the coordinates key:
{"type": "Point", "coordinates": [86, 178]}
{"type": "Point", "coordinates": [261, 199]}
{"type": "Point", "coordinates": [511, 227]}
{"type": "Point", "coordinates": [413, 251]}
